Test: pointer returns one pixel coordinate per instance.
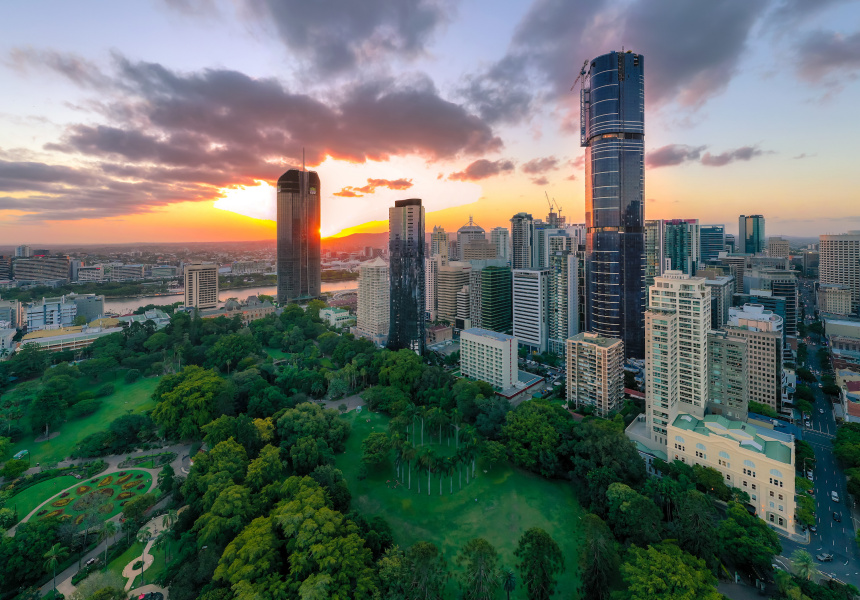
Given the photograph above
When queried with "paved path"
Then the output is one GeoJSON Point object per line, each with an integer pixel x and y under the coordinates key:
{"type": "Point", "coordinates": [145, 589]}
{"type": "Point", "coordinates": [129, 572]}
{"type": "Point", "coordinates": [352, 402]}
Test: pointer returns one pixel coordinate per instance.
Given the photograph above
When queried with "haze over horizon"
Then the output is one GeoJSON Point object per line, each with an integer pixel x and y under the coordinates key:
{"type": "Point", "coordinates": [175, 130]}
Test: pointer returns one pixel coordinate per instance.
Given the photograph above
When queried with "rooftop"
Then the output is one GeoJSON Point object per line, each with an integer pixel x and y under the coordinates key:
{"type": "Point", "coordinates": [493, 335]}
{"type": "Point", "coordinates": [593, 338]}
{"type": "Point", "coordinates": [775, 445]}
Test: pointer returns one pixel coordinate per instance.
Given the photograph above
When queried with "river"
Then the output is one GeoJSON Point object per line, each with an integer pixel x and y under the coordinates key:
{"type": "Point", "coordinates": [127, 305]}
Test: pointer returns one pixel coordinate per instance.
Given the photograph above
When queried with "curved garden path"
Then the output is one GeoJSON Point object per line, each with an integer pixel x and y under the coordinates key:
{"type": "Point", "coordinates": [129, 572]}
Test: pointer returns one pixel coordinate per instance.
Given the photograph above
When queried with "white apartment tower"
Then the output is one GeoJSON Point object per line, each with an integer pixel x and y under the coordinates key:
{"type": "Point", "coordinates": [373, 300]}
{"type": "Point", "coordinates": [531, 307]}
{"type": "Point", "coordinates": [201, 285]}
{"type": "Point", "coordinates": [839, 263]}
{"type": "Point", "coordinates": [489, 356]}
{"type": "Point", "coordinates": [439, 244]}
{"type": "Point", "coordinates": [501, 237]}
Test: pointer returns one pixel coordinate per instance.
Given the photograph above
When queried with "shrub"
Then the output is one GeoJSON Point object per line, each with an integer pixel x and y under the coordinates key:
{"type": "Point", "coordinates": [83, 489]}
{"type": "Point", "coordinates": [105, 390]}
{"type": "Point", "coordinates": [106, 481]}
{"type": "Point", "coordinates": [85, 408]}
{"type": "Point", "coordinates": [106, 508]}
{"type": "Point", "coordinates": [132, 375]}
{"type": "Point", "coordinates": [125, 496]}
{"type": "Point", "coordinates": [13, 468]}
{"type": "Point", "coordinates": [61, 502]}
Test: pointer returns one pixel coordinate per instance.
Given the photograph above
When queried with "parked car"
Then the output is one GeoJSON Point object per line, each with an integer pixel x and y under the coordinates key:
{"type": "Point", "coordinates": [821, 411]}
{"type": "Point", "coordinates": [809, 475]}
{"type": "Point", "coordinates": [811, 492]}
{"type": "Point", "coordinates": [834, 496]}
{"type": "Point", "coordinates": [824, 557]}
{"type": "Point", "coordinates": [837, 516]}
{"type": "Point", "coordinates": [813, 528]}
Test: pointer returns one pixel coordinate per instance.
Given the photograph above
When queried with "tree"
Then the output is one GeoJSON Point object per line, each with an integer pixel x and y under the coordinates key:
{"type": "Point", "coordinates": [143, 537]}
{"type": "Point", "coordinates": [48, 410]}
{"type": "Point", "coordinates": [80, 320]}
{"type": "Point", "coordinates": [598, 558]}
{"type": "Point", "coordinates": [266, 469]}
{"type": "Point", "coordinates": [375, 449]}
{"type": "Point", "coordinates": [493, 453]}
{"type": "Point", "coordinates": [541, 560]}
{"type": "Point", "coordinates": [533, 434]}
{"type": "Point", "coordinates": [633, 517]}
{"type": "Point", "coordinates": [665, 571]}
{"type": "Point", "coordinates": [53, 557]}
{"type": "Point", "coordinates": [309, 453]}
{"type": "Point", "coordinates": [106, 532]}
{"type": "Point", "coordinates": [509, 581]}
{"type": "Point", "coordinates": [13, 468]}
{"type": "Point", "coordinates": [226, 353]}
{"type": "Point", "coordinates": [188, 400]}
{"type": "Point", "coordinates": [167, 522]}
{"type": "Point", "coordinates": [135, 508]}
{"type": "Point", "coordinates": [480, 580]}
{"type": "Point", "coordinates": [805, 509]}
{"type": "Point", "coordinates": [694, 526]}
{"type": "Point", "coordinates": [803, 564]}
{"type": "Point", "coordinates": [747, 538]}
{"type": "Point", "coordinates": [427, 571]}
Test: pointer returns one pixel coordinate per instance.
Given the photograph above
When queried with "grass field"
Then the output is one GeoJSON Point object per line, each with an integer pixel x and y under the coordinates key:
{"type": "Point", "coordinates": [33, 496]}
{"type": "Point", "coordinates": [275, 353]}
{"type": "Point", "coordinates": [135, 397]}
{"type": "Point", "coordinates": [133, 554]}
{"type": "Point", "coordinates": [509, 501]}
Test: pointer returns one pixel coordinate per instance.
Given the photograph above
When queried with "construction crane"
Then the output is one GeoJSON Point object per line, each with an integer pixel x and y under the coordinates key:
{"type": "Point", "coordinates": [580, 76]}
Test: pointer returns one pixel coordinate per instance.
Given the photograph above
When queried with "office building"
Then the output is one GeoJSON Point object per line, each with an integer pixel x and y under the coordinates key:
{"type": "Point", "coordinates": [760, 261]}
{"type": "Point", "coordinates": [834, 298]}
{"type": "Point", "coordinates": [654, 261]}
{"type": "Point", "coordinates": [541, 236]}
{"type": "Point", "coordinates": [201, 285]}
{"type": "Point", "coordinates": [5, 268]}
{"type": "Point", "coordinates": [123, 272]}
{"type": "Point", "coordinates": [501, 237]}
{"type": "Point", "coordinates": [406, 251]}
{"type": "Point", "coordinates": [489, 356]}
{"type": "Point", "coordinates": [810, 260]}
{"type": "Point", "coordinates": [757, 460]}
{"type": "Point", "coordinates": [531, 308]}
{"type": "Point", "coordinates": [10, 314]}
{"type": "Point", "coordinates": [563, 300]}
{"type": "Point", "coordinates": [763, 332]}
{"type": "Point", "coordinates": [490, 290]}
{"type": "Point", "coordinates": [50, 313]}
{"type": "Point", "coordinates": [731, 243]}
{"type": "Point", "coordinates": [712, 241]}
{"type": "Point", "coordinates": [766, 298]}
{"type": "Point", "coordinates": [439, 244]}
{"type": "Point", "coordinates": [374, 297]}
{"type": "Point", "coordinates": [595, 372]}
{"type": "Point", "coordinates": [298, 255]}
{"type": "Point", "coordinates": [722, 289]}
{"type": "Point", "coordinates": [780, 283]}
{"type": "Point", "coordinates": [449, 282]}
{"type": "Point", "coordinates": [23, 251]}
{"type": "Point", "coordinates": [39, 268]}
{"type": "Point", "coordinates": [728, 375]}
{"type": "Point", "coordinates": [479, 250]}
{"type": "Point", "coordinates": [778, 247]}
{"type": "Point", "coordinates": [613, 117]}
{"type": "Point", "coordinates": [463, 319]}
{"type": "Point", "coordinates": [681, 245]}
{"type": "Point", "coordinates": [839, 263]}
{"type": "Point", "coordinates": [89, 306]}
{"type": "Point", "coordinates": [7, 340]}
{"type": "Point", "coordinates": [521, 242]}
{"type": "Point", "coordinates": [165, 271]}
{"type": "Point", "coordinates": [751, 238]}
{"type": "Point", "coordinates": [91, 273]}
{"type": "Point", "coordinates": [468, 233]}
{"type": "Point", "coordinates": [737, 264]}
{"type": "Point", "coordinates": [431, 276]}
{"type": "Point", "coordinates": [453, 251]}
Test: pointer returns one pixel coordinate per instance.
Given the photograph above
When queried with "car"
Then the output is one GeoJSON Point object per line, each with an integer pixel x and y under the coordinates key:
{"type": "Point", "coordinates": [809, 475]}
{"type": "Point", "coordinates": [813, 528]}
{"type": "Point", "coordinates": [811, 492]}
{"type": "Point", "coordinates": [834, 496]}
{"type": "Point", "coordinates": [837, 516]}
{"type": "Point", "coordinates": [819, 385]}
{"type": "Point", "coordinates": [821, 411]}
{"type": "Point", "coordinates": [824, 557]}
{"type": "Point", "coordinates": [92, 561]}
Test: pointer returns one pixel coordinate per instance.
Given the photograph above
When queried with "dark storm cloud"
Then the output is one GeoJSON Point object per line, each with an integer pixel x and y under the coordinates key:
{"type": "Point", "coordinates": [27, 176]}
{"type": "Point", "coordinates": [823, 53]}
{"type": "Point", "coordinates": [482, 169]}
{"type": "Point", "coordinates": [672, 155]}
{"type": "Point", "coordinates": [537, 166]}
{"type": "Point", "coordinates": [744, 153]}
{"type": "Point", "coordinates": [336, 36]}
{"type": "Point", "coordinates": [501, 94]}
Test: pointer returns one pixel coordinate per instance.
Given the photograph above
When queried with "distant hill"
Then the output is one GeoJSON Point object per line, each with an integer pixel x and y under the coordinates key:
{"type": "Point", "coordinates": [357, 241]}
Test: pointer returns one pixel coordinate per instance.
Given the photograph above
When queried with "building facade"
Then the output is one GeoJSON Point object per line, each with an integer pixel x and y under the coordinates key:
{"type": "Point", "coordinates": [470, 232]}
{"type": "Point", "coordinates": [728, 375]}
{"type": "Point", "coordinates": [439, 244]}
{"type": "Point", "coordinates": [298, 255]}
{"type": "Point", "coordinates": [531, 308]}
{"type": "Point", "coordinates": [563, 300]}
{"type": "Point", "coordinates": [681, 245]}
{"type": "Point", "coordinates": [595, 372]}
{"type": "Point", "coordinates": [751, 237]}
{"type": "Point", "coordinates": [406, 273]}
{"type": "Point", "coordinates": [50, 313]}
{"type": "Point", "coordinates": [449, 282]}
{"type": "Point", "coordinates": [834, 298]}
{"type": "Point", "coordinates": [777, 246]}
{"type": "Point", "coordinates": [479, 250]}
{"type": "Point", "coordinates": [374, 300]}
{"type": "Point", "coordinates": [501, 237]}
{"type": "Point", "coordinates": [763, 332]}
{"type": "Point", "coordinates": [489, 356]}
{"type": "Point", "coordinates": [613, 126]}
{"type": "Point", "coordinates": [712, 241]}
{"type": "Point", "coordinates": [722, 289]}
{"type": "Point", "coordinates": [201, 285]}
{"type": "Point", "coordinates": [89, 306]}
{"type": "Point", "coordinates": [839, 263]}
{"type": "Point", "coordinates": [654, 262]}
{"type": "Point", "coordinates": [521, 242]}
{"type": "Point", "coordinates": [38, 268]}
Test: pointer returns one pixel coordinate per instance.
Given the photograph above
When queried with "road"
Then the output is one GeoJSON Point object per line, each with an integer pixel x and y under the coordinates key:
{"type": "Point", "coordinates": [836, 538]}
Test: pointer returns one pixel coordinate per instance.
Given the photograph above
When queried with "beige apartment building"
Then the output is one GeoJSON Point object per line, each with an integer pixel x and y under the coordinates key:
{"type": "Point", "coordinates": [450, 280]}
{"type": "Point", "coordinates": [762, 329]}
{"type": "Point", "coordinates": [728, 375]}
{"type": "Point", "coordinates": [479, 250]}
{"type": "Point", "coordinates": [759, 461]}
{"type": "Point", "coordinates": [201, 285]}
{"type": "Point", "coordinates": [374, 295]}
{"type": "Point", "coordinates": [777, 246]}
{"type": "Point", "coordinates": [839, 262]}
{"type": "Point", "coordinates": [834, 298]}
{"type": "Point", "coordinates": [489, 356]}
{"type": "Point", "coordinates": [595, 372]}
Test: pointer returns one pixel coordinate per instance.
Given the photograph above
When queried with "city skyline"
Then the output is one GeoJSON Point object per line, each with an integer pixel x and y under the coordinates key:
{"type": "Point", "coordinates": [106, 133]}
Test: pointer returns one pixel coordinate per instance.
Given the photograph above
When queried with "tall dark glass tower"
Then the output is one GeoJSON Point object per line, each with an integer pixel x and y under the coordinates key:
{"type": "Point", "coordinates": [406, 273]}
{"type": "Point", "coordinates": [713, 239]}
{"type": "Point", "coordinates": [751, 238]}
{"type": "Point", "coordinates": [612, 120]}
{"type": "Point", "coordinates": [298, 236]}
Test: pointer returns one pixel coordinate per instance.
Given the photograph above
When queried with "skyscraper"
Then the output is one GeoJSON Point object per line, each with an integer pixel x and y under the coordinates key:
{"type": "Point", "coordinates": [713, 241]}
{"type": "Point", "coordinates": [682, 245]}
{"type": "Point", "coordinates": [501, 237]}
{"type": "Point", "coordinates": [839, 262]}
{"type": "Point", "coordinates": [521, 242]}
{"type": "Point", "coordinates": [406, 251]}
{"type": "Point", "coordinates": [298, 264]}
{"type": "Point", "coordinates": [654, 261]}
{"type": "Point", "coordinates": [751, 238]}
{"type": "Point", "coordinates": [469, 232]}
{"type": "Point", "coordinates": [373, 300]}
{"type": "Point", "coordinates": [439, 244]}
{"type": "Point", "coordinates": [612, 117]}
{"type": "Point", "coordinates": [531, 308]}
{"type": "Point", "coordinates": [201, 285]}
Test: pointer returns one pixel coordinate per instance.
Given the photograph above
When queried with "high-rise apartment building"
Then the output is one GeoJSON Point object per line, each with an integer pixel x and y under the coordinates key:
{"type": "Point", "coordinates": [521, 241]}
{"type": "Point", "coordinates": [811, 260]}
{"type": "Point", "coordinates": [722, 289]}
{"type": "Point", "coordinates": [201, 285]}
{"type": "Point", "coordinates": [406, 251]}
{"type": "Point", "coordinates": [779, 283]}
{"type": "Point", "coordinates": [728, 375]}
{"type": "Point", "coordinates": [777, 246]}
{"type": "Point", "coordinates": [298, 255]}
{"type": "Point", "coordinates": [531, 307]}
{"type": "Point", "coordinates": [612, 110]}
{"type": "Point", "coordinates": [449, 282]}
{"type": "Point", "coordinates": [737, 264]}
{"type": "Point", "coordinates": [763, 332]}
{"type": "Point", "coordinates": [681, 245]}
{"type": "Point", "coordinates": [595, 372]}
{"type": "Point", "coordinates": [563, 299]}
{"type": "Point", "coordinates": [479, 250]}
{"type": "Point", "coordinates": [439, 244]}
{"type": "Point", "coordinates": [431, 277]}
{"type": "Point", "coordinates": [713, 241]}
{"type": "Point", "coordinates": [751, 238]}
{"type": "Point", "coordinates": [654, 262]}
{"type": "Point", "coordinates": [839, 262]}
{"type": "Point", "coordinates": [469, 232]}
{"type": "Point", "coordinates": [489, 356]}
{"type": "Point", "coordinates": [374, 300]}
{"type": "Point", "coordinates": [23, 251]}
{"type": "Point", "coordinates": [501, 237]}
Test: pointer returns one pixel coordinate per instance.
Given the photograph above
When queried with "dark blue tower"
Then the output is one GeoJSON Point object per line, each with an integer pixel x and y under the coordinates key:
{"type": "Point", "coordinates": [612, 119]}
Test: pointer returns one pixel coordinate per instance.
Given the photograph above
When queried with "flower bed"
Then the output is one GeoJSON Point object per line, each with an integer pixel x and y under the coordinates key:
{"type": "Point", "coordinates": [61, 502]}
{"type": "Point", "coordinates": [125, 495]}
{"type": "Point", "coordinates": [64, 494]}
{"type": "Point", "coordinates": [79, 519]}
{"type": "Point", "coordinates": [129, 485]}
{"type": "Point", "coordinates": [106, 481]}
{"type": "Point", "coordinates": [54, 513]}
{"type": "Point", "coordinates": [139, 475]}
{"type": "Point", "coordinates": [124, 478]}
{"type": "Point", "coordinates": [141, 486]}
{"type": "Point", "coordinates": [82, 489]}
{"type": "Point", "coordinates": [106, 492]}
{"type": "Point", "coordinates": [41, 512]}
{"type": "Point", "coordinates": [106, 508]}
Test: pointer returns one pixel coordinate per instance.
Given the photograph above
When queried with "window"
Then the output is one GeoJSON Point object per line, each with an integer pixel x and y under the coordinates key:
{"type": "Point", "coordinates": [776, 473]}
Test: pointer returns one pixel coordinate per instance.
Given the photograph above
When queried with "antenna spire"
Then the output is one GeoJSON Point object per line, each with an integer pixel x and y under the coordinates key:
{"type": "Point", "coordinates": [303, 158]}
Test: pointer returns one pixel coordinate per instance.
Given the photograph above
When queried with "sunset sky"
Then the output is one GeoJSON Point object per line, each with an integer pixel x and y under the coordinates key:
{"type": "Point", "coordinates": [169, 120]}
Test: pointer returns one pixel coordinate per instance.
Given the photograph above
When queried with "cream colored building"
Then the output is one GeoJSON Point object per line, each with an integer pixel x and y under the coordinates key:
{"type": "Point", "coordinates": [373, 300]}
{"type": "Point", "coordinates": [777, 246]}
{"type": "Point", "coordinates": [595, 372]}
{"type": "Point", "coordinates": [449, 282]}
{"type": "Point", "coordinates": [762, 329]}
{"type": "Point", "coordinates": [756, 460]}
{"type": "Point", "coordinates": [489, 356]}
{"type": "Point", "coordinates": [839, 262]}
{"type": "Point", "coordinates": [834, 298]}
{"type": "Point", "coordinates": [481, 249]}
{"type": "Point", "coordinates": [439, 244]}
{"type": "Point", "coordinates": [201, 285]}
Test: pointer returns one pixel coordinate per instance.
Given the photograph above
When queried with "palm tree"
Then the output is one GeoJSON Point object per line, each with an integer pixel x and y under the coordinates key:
{"type": "Point", "coordinates": [397, 446]}
{"type": "Point", "coordinates": [509, 581]}
{"type": "Point", "coordinates": [426, 459]}
{"type": "Point", "coordinates": [456, 420]}
{"type": "Point", "coordinates": [409, 452]}
{"type": "Point", "coordinates": [471, 446]}
{"type": "Point", "coordinates": [143, 537]}
{"type": "Point", "coordinates": [54, 556]}
{"type": "Point", "coordinates": [107, 532]}
{"type": "Point", "coordinates": [803, 564]}
{"type": "Point", "coordinates": [168, 521]}
{"type": "Point", "coordinates": [411, 413]}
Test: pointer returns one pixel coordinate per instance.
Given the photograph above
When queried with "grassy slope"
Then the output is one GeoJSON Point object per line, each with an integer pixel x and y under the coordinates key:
{"type": "Point", "coordinates": [33, 496]}
{"type": "Point", "coordinates": [134, 397]}
{"type": "Point", "coordinates": [509, 502]}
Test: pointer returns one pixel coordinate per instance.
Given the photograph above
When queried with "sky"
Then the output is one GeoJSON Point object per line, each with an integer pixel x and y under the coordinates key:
{"type": "Point", "coordinates": [169, 120]}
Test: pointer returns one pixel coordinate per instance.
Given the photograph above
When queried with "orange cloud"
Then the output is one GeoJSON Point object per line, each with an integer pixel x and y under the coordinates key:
{"type": "Point", "coordinates": [392, 184]}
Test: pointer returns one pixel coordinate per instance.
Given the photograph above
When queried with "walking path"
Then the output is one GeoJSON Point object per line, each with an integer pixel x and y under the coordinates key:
{"type": "Point", "coordinates": [129, 572]}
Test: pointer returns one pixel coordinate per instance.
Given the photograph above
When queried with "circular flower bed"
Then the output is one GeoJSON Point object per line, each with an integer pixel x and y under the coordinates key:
{"type": "Point", "coordinates": [61, 502]}
{"type": "Point", "coordinates": [83, 489]}
{"type": "Point", "coordinates": [54, 513]}
{"type": "Point", "coordinates": [129, 485]}
{"type": "Point", "coordinates": [124, 478]}
{"type": "Point", "coordinates": [106, 508]}
{"type": "Point", "coordinates": [125, 495]}
{"type": "Point", "coordinates": [106, 481]}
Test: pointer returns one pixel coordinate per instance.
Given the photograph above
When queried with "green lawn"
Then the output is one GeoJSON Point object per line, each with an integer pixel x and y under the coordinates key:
{"type": "Point", "coordinates": [276, 353]}
{"type": "Point", "coordinates": [135, 397]}
{"type": "Point", "coordinates": [33, 496]}
{"type": "Point", "coordinates": [509, 501]}
{"type": "Point", "coordinates": [120, 562]}
{"type": "Point", "coordinates": [133, 554]}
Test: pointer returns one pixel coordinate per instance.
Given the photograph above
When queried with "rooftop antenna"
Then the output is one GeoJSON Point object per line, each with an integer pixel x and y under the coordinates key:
{"type": "Point", "coordinates": [303, 158]}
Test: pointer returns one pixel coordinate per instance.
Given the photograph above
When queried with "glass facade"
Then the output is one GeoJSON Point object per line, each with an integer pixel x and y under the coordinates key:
{"type": "Point", "coordinates": [406, 275]}
{"type": "Point", "coordinates": [681, 245]}
{"type": "Point", "coordinates": [612, 130]}
{"type": "Point", "coordinates": [751, 238]}
{"type": "Point", "coordinates": [496, 299]}
{"type": "Point", "coordinates": [713, 241]}
{"type": "Point", "coordinates": [298, 254]}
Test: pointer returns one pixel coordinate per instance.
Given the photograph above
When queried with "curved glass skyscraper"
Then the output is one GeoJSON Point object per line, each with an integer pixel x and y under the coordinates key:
{"type": "Point", "coordinates": [298, 263]}
{"type": "Point", "coordinates": [612, 130]}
